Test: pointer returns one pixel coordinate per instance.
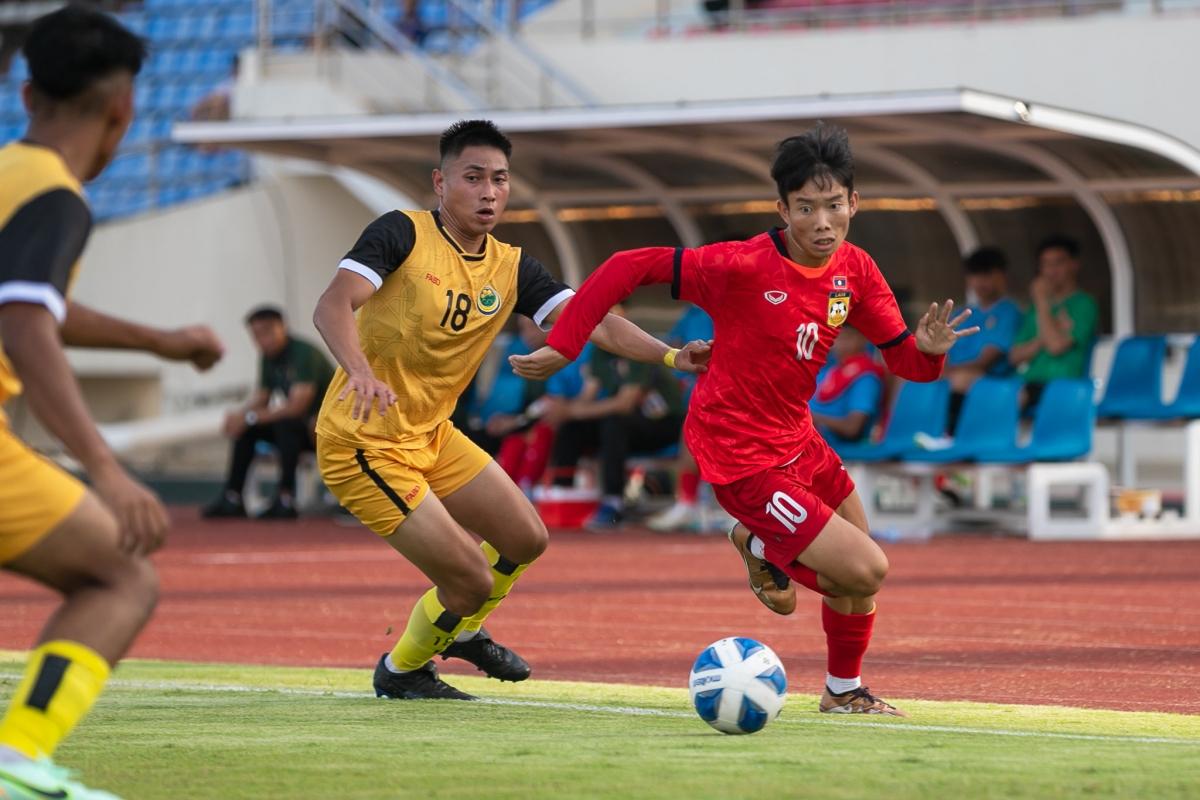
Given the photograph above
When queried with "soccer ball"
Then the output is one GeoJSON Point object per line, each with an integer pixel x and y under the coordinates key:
{"type": "Point", "coordinates": [738, 685]}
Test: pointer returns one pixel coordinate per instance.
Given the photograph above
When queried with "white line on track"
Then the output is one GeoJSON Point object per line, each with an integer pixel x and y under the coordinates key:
{"type": "Point", "coordinates": [635, 711]}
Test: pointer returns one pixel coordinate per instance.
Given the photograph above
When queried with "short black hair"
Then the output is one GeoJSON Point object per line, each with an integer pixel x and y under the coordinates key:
{"type": "Point", "coordinates": [472, 133]}
{"type": "Point", "coordinates": [1058, 240]}
{"type": "Point", "coordinates": [71, 49]}
{"type": "Point", "coordinates": [264, 313]}
{"type": "Point", "coordinates": [985, 259]}
{"type": "Point", "coordinates": [821, 153]}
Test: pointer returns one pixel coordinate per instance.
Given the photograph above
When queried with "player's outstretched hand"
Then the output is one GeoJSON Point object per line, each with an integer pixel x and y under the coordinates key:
{"type": "Point", "coordinates": [140, 514]}
{"type": "Point", "coordinates": [368, 391]}
{"type": "Point", "coordinates": [937, 331]}
{"type": "Point", "coordinates": [538, 365]}
{"type": "Point", "coordinates": [694, 356]}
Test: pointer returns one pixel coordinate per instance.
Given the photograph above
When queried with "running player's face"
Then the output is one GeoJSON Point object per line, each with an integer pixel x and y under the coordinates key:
{"type": "Point", "coordinates": [817, 216]}
{"type": "Point", "coordinates": [473, 189]}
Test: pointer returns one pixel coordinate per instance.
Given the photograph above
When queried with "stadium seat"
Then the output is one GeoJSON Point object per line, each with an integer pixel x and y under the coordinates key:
{"type": "Point", "coordinates": [1062, 427]}
{"type": "Point", "coordinates": [1187, 401]}
{"type": "Point", "coordinates": [919, 408]}
{"type": "Point", "coordinates": [988, 424]}
{"type": "Point", "coordinates": [1134, 388]}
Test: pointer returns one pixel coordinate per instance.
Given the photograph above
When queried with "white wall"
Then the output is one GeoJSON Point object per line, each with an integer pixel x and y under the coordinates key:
{"type": "Point", "coordinates": [1136, 68]}
{"type": "Point", "coordinates": [278, 241]}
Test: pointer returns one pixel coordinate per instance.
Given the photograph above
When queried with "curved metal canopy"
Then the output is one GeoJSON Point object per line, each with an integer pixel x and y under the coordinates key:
{"type": "Point", "coordinates": [966, 153]}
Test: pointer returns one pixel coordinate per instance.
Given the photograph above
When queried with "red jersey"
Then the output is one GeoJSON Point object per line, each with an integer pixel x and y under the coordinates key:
{"type": "Point", "coordinates": [774, 322]}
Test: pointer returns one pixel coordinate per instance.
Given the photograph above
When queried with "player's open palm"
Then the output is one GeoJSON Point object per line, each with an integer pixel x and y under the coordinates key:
{"type": "Point", "coordinates": [538, 365]}
{"type": "Point", "coordinates": [367, 391]}
{"type": "Point", "coordinates": [938, 331]}
{"type": "Point", "coordinates": [694, 356]}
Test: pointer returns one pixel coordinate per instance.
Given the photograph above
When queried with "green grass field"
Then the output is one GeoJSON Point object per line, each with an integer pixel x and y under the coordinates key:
{"type": "Point", "coordinates": [172, 730]}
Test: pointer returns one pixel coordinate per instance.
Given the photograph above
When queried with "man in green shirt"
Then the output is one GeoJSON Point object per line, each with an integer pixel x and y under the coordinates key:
{"type": "Point", "coordinates": [1056, 336]}
{"type": "Point", "coordinates": [293, 377]}
{"type": "Point", "coordinates": [625, 408]}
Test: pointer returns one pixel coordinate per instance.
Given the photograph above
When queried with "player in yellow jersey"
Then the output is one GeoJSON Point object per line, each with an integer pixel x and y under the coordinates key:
{"type": "Point", "coordinates": [90, 545]}
{"type": "Point", "coordinates": [432, 289]}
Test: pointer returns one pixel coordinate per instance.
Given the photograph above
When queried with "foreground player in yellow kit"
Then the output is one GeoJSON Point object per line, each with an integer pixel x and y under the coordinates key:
{"type": "Point", "coordinates": [432, 290]}
{"type": "Point", "coordinates": [89, 545]}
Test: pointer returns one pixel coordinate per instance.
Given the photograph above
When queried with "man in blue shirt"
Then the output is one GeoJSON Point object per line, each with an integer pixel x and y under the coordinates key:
{"type": "Point", "coordinates": [998, 318]}
{"type": "Point", "coordinates": [849, 394]}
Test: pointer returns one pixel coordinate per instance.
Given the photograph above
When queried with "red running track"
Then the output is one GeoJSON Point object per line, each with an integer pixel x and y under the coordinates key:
{"type": "Point", "coordinates": [1107, 625]}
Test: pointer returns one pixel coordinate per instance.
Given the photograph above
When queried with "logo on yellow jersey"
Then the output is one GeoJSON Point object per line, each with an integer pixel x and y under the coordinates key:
{"type": "Point", "coordinates": [488, 301]}
{"type": "Point", "coordinates": [839, 308]}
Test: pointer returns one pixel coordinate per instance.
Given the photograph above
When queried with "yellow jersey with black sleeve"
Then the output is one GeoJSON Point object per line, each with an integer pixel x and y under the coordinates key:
{"type": "Point", "coordinates": [44, 225]}
{"type": "Point", "coordinates": [429, 324]}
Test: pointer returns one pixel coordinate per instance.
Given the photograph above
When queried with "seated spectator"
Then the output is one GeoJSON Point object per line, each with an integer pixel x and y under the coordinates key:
{"type": "Point", "coordinates": [684, 513]}
{"type": "Point", "coordinates": [1059, 329]}
{"type": "Point", "coordinates": [998, 317]}
{"type": "Point", "coordinates": [491, 417]}
{"type": "Point", "coordinates": [412, 25]}
{"type": "Point", "coordinates": [625, 408]}
{"type": "Point", "coordinates": [849, 396]}
{"type": "Point", "coordinates": [525, 452]}
{"type": "Point", "coordinates": [218, 104]}
{"type": "Point", "coordinates": [293, 377]}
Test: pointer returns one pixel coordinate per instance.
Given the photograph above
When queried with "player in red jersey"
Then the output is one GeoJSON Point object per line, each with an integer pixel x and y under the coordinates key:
{"type": "Point", "coordinates": [777, 302]}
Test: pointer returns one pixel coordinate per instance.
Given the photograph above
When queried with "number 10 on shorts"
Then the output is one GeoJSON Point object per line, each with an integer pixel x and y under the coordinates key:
{"type": "Point", "coordinates": [789, 513]}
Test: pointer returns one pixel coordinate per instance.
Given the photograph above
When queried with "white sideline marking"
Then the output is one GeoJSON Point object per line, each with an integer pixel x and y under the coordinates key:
{"type": "Point", "coordinates": [635, 711]}
{"type": "Point", "coordinates": [272, 557]}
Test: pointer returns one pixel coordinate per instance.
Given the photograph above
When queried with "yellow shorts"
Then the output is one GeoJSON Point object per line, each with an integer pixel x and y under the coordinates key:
{"type": "Point", "coordinates": [382, 487]}
{"type": "Point", "coordinates": [35, 495]}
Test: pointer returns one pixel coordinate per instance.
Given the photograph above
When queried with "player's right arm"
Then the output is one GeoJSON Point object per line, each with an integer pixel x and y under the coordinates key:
{"type": "Point", "coordinates": [380, 250]}
{"type": "Point", "coordinates": [38, 247]}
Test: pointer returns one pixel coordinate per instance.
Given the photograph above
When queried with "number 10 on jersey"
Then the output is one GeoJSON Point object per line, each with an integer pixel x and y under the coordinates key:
{"type": "Point", "coordinates": [806, 341]}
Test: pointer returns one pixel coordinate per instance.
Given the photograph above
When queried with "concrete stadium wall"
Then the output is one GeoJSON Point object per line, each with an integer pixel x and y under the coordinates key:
{"type": "Point", "coordinates": [277, 241]}
{"type": "Point", "coordinates": [1136, 68]}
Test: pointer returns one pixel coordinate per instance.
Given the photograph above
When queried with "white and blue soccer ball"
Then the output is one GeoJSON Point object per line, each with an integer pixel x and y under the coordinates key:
{"type": "Point", "coordinates": [738, 685]}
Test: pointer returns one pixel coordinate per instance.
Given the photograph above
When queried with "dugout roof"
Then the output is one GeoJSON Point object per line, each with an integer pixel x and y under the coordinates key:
{"type": "Point", "coordinates": [970, 168]}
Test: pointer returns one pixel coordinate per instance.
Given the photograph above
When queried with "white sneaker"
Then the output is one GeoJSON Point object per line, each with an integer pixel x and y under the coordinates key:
{"type": "Point", "coordinates": [679, 517]}
{"type": "Point", "coordinates": [714, 519]}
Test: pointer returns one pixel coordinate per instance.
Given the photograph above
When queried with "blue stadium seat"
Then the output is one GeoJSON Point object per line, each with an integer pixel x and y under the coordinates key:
{"type": "Point", "coordinates": [1062, 426]}
{"type": "Point", "coordinates": [988, 423]}
{"type": "Point", "coordinates": [919, 408]}
{"type": "Point", "coordinates": [1187, 401]}
{"type": "Point", "coordinates": [1134, 388]}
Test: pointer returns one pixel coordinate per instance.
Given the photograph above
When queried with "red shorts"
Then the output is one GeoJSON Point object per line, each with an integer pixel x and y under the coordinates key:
{"type": "Point", "coordinates": [786, 507]}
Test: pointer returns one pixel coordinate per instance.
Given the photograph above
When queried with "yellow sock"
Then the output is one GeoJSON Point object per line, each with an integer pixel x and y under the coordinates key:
{"type": "Point", "coordinates": [504, 575]}
{"type": "Point", "coordinates": [431, 629]}
{"type": "Point", "coordinates": [62, 681]}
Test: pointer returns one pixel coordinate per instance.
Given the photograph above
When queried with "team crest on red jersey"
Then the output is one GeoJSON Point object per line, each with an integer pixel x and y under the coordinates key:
{"type": "Point", "coordinates": [839, 308]}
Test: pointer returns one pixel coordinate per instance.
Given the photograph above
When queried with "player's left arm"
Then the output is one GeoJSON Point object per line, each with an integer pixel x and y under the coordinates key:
{"type": "Point", "coordinates": [87, 327]}
{"type": "Point", "coordinates": [915, 356]}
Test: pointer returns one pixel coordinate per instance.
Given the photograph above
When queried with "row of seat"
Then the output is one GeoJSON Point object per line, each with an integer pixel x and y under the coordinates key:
{"type": "Point", "coordinates": [988, 426]}
{"type": "Point", "coordinates": [1135, 382]}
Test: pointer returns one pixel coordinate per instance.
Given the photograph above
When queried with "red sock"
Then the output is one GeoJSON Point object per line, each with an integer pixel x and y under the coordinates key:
{"type": "Point", "coordinates": [847, 637]}
{"type": "Point", "coordinates": [689, 487]}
